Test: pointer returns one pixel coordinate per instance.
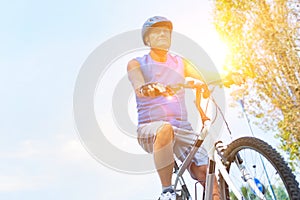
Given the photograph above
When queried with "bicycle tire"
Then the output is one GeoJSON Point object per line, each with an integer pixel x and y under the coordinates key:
{"type": "Point", "coordinates": [267, 152]}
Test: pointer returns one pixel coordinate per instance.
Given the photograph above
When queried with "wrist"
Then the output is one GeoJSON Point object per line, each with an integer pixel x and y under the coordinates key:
{"type": "Point", "coordinates": [139, 92]}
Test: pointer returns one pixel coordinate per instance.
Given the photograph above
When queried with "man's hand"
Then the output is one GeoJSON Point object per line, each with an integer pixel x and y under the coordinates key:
{"type": "Point", "coordinates": [155, 89]}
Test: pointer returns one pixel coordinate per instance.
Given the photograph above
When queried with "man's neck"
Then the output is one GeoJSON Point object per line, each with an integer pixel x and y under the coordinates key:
{"type": "Point", "coordinates": [159, 55]}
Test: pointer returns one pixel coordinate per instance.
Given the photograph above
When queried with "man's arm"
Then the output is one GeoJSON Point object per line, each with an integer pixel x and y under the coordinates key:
{"type": "Point", "coordinates": [191, 71]}
{"type": "Point", "coordinates": [135, 76]}
{"type": "Point", "coordinates": [232, 78]}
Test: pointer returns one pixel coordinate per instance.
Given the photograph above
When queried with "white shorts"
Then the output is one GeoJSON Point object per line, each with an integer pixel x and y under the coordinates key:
{"type": "Point", "coordinates": [182, 145]}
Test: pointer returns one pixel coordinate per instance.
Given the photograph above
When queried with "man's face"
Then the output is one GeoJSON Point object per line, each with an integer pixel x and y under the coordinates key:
{"type": "Point", "coordinates": [159, 38]}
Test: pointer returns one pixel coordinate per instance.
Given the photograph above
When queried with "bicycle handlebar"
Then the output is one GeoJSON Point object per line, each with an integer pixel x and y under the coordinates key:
{"type": "Point", "coordinates": [201, 88]}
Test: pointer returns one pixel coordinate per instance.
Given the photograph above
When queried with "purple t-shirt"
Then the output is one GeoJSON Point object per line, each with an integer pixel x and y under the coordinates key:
{"type": "Point", "coordinates": [169, 109]}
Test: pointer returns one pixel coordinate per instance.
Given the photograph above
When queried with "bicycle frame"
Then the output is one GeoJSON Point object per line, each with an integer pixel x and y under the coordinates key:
{"type": "Point", "coordinates": [216, 162]}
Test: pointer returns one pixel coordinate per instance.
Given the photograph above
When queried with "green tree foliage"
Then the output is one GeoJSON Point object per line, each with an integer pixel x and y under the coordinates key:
{"type": "Point", "coordinates": [279, 191]}
{"type": "Point", "coordinates": [261, 36]}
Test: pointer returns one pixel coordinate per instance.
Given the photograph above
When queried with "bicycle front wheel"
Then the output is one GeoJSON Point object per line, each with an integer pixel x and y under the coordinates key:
{"type": "Point", "coordinates": [263, 165]}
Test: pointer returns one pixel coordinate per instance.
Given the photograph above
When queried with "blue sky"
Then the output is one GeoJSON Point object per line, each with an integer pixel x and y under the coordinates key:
{"type": "Point", "coordinates": [43, 46]}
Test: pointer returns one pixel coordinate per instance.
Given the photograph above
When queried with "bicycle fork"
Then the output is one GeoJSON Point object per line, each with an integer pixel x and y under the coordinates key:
{"type": "Point", "coordinates": [223, 170]}
{"type": "Point", "coordinates": [246, 176]}
{"type": "Point", "coordinates": [209, 184]}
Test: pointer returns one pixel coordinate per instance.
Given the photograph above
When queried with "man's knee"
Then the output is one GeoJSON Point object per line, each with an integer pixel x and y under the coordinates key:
{"type": "Point", "coordinates": [198, 172]}
{"type": "Point", "coordinates": [164, 135]}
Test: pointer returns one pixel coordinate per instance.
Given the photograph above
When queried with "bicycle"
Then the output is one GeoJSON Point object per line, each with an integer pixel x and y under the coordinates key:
{"type": "Point", "coordinates": [248, 167]}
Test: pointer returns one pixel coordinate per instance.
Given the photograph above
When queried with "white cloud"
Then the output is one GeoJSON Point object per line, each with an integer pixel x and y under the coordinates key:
{"type": "Point", "coordinates": [33, 164]}
{"type": "Point", "coordinates": [13, 183]}
{"type": "Point", "coordinates": [24, 149]}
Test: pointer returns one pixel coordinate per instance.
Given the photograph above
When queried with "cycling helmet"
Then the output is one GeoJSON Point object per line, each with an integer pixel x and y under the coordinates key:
{"type": "Point", "coordinates": [155, 21]}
